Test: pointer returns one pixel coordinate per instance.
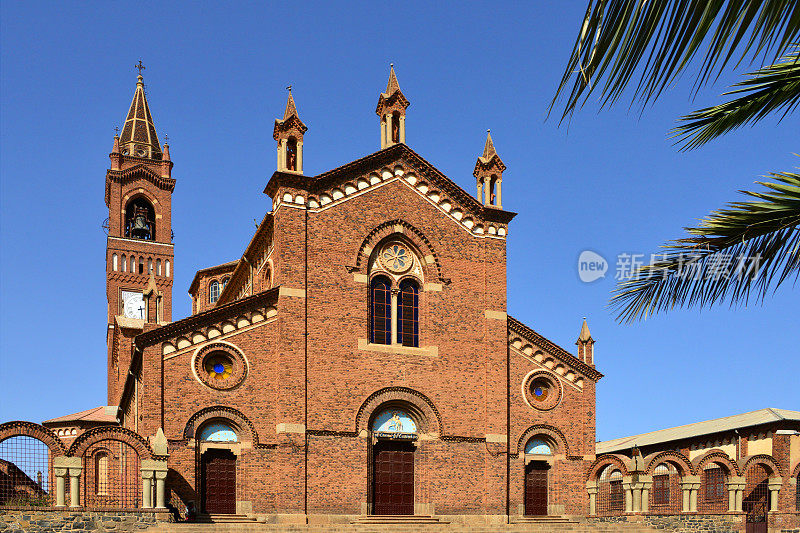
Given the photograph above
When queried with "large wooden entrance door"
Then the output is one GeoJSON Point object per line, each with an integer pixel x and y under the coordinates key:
{"type": "Point", "coordinates": [218, 474]}
{"type": "Point", "coordinates": [393, 478]}
{"type": "Point", "coordinates": [536, 488]}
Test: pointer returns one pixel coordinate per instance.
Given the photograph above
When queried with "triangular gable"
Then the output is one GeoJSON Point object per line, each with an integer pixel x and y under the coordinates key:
{"type": "Point", "coordinates": [360, 174]}
{"type": "Point", "coordinates": [520, 335]}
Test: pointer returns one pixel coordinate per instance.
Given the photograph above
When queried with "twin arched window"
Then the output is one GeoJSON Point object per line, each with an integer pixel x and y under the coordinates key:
{"type": "Point", "coordinates": [394, 300]}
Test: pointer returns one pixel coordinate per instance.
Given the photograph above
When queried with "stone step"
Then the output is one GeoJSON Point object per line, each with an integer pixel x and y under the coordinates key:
{"type": "Point", "coordinates": [409, 526]}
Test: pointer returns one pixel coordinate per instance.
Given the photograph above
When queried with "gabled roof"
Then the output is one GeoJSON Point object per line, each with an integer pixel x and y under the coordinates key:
{"type": "Point", "coordinates": [139, 127]}
{"type": "Point", "coordinates": [707, 427]}
{"type": "Point", "coordinates": [216, 269]}
{"type": "Point", "coordinates": [103, 413]}
{"type": "Point", "coordinates": [553, 348]}
{"type": "Point", "coordinates": [333, 177]}
{"type": "Point", "coordinates": [218, 312]}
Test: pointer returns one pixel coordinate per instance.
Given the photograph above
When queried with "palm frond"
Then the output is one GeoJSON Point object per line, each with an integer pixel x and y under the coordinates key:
{"type": "Point", "coordinates": [772, 88]}
{"type": "Point", "coordinates": [621, 41]}
{"type": "Point", "coordinates": [746, 247]}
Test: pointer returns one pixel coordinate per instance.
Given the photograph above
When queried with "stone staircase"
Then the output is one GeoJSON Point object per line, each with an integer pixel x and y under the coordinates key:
{"type": "Point", "coordinates": [406, 524]}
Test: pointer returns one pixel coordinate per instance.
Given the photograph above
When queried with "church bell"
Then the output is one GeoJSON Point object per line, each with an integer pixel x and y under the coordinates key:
{"type": "Point", "coordinates": [140, 228]}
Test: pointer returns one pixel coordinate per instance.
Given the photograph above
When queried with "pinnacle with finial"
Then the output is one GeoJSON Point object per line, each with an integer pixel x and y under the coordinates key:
{"type": "Point", "coordinates": [392, 85]}
{"type": "Point", "coordinates": [585, 335]}
{"type": "Point", "coordinates": [488, 148]}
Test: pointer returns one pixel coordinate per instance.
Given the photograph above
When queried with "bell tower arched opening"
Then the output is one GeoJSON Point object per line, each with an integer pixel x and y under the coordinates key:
{"type": "Point", "coordinates": [140, 220]}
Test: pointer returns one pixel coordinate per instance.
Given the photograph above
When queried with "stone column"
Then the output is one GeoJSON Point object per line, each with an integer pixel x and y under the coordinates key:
{"type": "Point", "coordinates": [591, 488]}
{"type": "Point", "coordinates": [388, 129]}
{"type": "Point", "coordinates": [154, 470]}
{"type": "Point", "coordinates": [646, 483]}
{"type": "Point", "coordinates": [403, 129]}
{"type": "Point", "coordinates": [161, 480]}
{"type": "Point", "coordinates": [627, 486]}
{"type": "Point", "coordinates": [499, 192]}
{"type": "Point", "coordinates": [282, 154]}
{"type": "Point", "coordinates": [395, 292]}
{"type": "Point", "coordinates": [75, 484]}
{"type": "Point", "coordinates": [147, 488]}
{"type": "Point", "coordinates": [479, 195]}
{"type": "Point", "coordinates": [383, 132]}
{"type": "Point", "coordinates": [300, 156]}
{"type": "Point", "coordinates": [60, 470]}
{"type": "Point", "coordinates": [736, 486]}
{"type": "Point", "coordinates": [487, 193]}
{"type": "Point", "coordinates": [774, 489]}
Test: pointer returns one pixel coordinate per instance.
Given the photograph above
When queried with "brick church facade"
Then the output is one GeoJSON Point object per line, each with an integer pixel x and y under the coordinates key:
{"type": "Point", "coordinates": [358, 358]}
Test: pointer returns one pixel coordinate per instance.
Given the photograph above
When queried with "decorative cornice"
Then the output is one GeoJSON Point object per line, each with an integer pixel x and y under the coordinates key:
{"type": "Point", "coordinates": [518, 327]}
{"type": "Point", "coordinates": [191, 323]}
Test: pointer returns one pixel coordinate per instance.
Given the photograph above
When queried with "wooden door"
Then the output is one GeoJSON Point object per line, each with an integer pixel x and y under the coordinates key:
{"type": "Point", "coordinates": [219, 481]}
{"type": "Point", "coordinates": [536, 489]}
{"type": "Point", "coordinates": [393, 478]}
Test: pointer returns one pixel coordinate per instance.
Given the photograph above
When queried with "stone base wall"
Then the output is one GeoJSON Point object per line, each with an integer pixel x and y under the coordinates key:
{"type": "Point", "coordinates": [682, 523]}
{"type": "Point", "coordinates": [46, 521]}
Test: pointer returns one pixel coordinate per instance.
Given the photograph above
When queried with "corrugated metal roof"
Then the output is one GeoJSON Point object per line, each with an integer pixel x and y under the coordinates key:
{"type": "Point", "coordinates": [753, 418]}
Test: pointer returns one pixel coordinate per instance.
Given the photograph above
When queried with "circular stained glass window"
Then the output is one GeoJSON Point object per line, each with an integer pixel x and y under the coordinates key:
{"type": "Point", "coordinates": [396, 257]}
{"type": "Point", "coordinates": [543, 390]}
{"type": "Point", "coordinates": [218, 365]}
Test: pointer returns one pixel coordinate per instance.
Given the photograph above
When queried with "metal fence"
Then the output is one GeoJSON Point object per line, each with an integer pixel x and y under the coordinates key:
{"type": "Point", "coordinates": [111, 476]}
{"type": "Point", "coordinates": [26, 473]}
{"type": "Point", "coordinates": [610, 495]}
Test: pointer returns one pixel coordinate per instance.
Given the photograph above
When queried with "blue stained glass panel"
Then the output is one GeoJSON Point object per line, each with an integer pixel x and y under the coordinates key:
{"type": "Point", "coordinates": [394, 421]}
{"type": "Point", "coordinates": [538, 447]}
{"type": "Point", "coordinates": [218, 433]}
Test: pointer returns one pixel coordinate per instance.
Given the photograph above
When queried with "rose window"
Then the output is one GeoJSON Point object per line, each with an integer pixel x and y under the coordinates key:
{"type": "Point", "coordinates": [543, 391]}
{"type": "Point", "coordinates": [396, 258]}
{"type": "Point", "coordinates": [220, 367]}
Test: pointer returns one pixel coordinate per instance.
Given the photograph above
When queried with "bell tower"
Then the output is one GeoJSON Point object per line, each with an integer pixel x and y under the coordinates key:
{"type": "Point", "coordinates": [391, 108]}
{"type": "Point", "coordinates": [138, 194]}
{"type": "Point", "coordinates": [489, 175]}
{"type": "Point", "coordinates": [289, 134]}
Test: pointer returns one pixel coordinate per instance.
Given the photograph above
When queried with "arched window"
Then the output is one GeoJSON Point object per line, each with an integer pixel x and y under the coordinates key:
{"type": "Point", "coordinates": [225, 283]}
{"type": "Point", "coordinates": [213, 292]}
{"type": "Point", "coordinates": [380, 311]}
{"type": "Point", "coordinates": [268, 278]}
{"type": "Point", "coordinates": [133, 264]}
{"type": "Point", "coordinates": [101, 473]}
{"type": "Point", "coordinates": [141, 265]}
{"type": "Point", "coordinates": [610, 496]}
{"type": "Point", "coordinates": [408, 313]}
{"type": "Point", "coordinates": [661, 485]}
{"type": "Point", "coordinates": [493, 191]}
{"type": "Point", "coordinates": [166, 266]}
{"type": "Point", "coordinates": [291, 154]}
{"type": "Point", "coordinates": [149, 265]}
{"type": "Point", "coordinates": [158, 267]}
{"type": "Point", "coordinates": [140, 220]}
{"type": "Point", "coordinates": [714, 494]}
{"type": "Point", "coordinates": [218, 432]}
{"type": "Point", "coordinates": [124, 263]}
{"type": "Point", "coordinates": [114, 262]}
{"type": "Point", "coordinates": [538, 446]}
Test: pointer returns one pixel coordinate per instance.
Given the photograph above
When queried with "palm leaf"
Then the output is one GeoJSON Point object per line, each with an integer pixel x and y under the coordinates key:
{"type": "Point", "coordinates": [746, 247]}
{"type": "Point", "coordinates": [772, 88]}
{"type": "Point", "coordinates": [653, 41]}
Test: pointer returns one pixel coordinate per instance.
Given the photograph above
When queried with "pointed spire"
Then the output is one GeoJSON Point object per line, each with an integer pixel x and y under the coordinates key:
{"type": "Point", "coordinates": [165, 156]}
{"type": "Point", "coordinates": [488, 148]}
{"type": "Point", "coordinates": [585, 335]}
{"type": "Point", "coordinates": [291, 109]}
{"type": "Point", "coordinates": [392, 85]}
{"type": "Point", "coordinates": [139, 138]}
{"type": "Point", "coordinates": [115, 149]}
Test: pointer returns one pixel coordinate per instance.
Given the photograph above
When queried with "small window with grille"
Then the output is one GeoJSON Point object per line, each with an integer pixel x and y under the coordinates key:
{"type": "Point", "coordinates": [661, 485]}
{"type": "Point", "coordinates": [714, 484]}
{"type": "Point", "coordinates": [213, 292]}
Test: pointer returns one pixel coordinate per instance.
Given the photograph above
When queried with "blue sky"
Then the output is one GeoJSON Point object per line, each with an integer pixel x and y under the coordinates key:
{"type": "Point", "coordinates": [216, 73]}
